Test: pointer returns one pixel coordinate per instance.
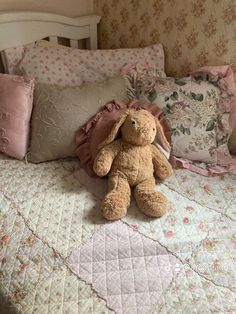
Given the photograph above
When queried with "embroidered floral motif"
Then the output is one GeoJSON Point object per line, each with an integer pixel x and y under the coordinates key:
{"type": "Point", "coordinates": [4, 141]}
{"type": "Point", "coordinates": [4, 115]}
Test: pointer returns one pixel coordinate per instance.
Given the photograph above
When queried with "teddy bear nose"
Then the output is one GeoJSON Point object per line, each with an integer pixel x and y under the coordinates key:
{"type": "Point", "coordinates": [144, 131]}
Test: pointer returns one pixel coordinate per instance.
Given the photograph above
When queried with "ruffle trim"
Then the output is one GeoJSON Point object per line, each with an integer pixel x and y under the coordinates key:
{"type": "Point", "coordinates": [223, 78]}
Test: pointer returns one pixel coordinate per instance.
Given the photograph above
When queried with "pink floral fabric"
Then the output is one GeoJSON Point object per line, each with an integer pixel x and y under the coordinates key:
{"type": "Point", "coordinates": [16, 97]}
{"type": "Point", "coordinates": [62, 65]}
{"type": "Point", "coordinates": [12, 57]}
{"type": "Point", "coordinates": [200, 109]}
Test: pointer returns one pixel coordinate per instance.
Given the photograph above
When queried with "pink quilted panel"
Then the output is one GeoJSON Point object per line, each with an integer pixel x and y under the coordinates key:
{"type": "Point", "coordinates": [128, 270]}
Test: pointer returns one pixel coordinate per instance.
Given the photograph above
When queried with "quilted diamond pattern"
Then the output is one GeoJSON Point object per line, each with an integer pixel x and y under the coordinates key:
{"type": "Point", "coordinates": [181, 230]}
{"type": "Point", "coordinates": [33, 277]}
{"type": "Point", "coordinates": [200, 230]}
{"type": "Point", "coordinates": [45, 213]}
{"type": "Point", "coordinates": [63, 215]}
{"type": "Point", "coordinates": [21, 181]}
{"type": "Point", "coordinates": [217, 193]}
{"type": "Point", "coordinates": [216, 256]}
{"type": "Point", "coordinates": [127, 269]}
{"type": "Point", "coordinates": [190, 293]}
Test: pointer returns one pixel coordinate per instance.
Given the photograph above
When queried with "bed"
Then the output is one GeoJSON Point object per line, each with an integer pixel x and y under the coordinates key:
{"type": "Point", "coordinates": [57, 253]}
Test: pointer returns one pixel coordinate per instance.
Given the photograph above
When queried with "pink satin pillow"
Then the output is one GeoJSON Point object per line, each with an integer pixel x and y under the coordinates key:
{"type": "Point", "coordinates": [16, 99]}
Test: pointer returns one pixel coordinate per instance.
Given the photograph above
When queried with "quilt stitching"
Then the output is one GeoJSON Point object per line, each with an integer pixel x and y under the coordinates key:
{"type": "Point", "coordinates": [207, 191]}
{"type": "Point", "coordinates": [36, 210]}
{"type": "Point", "coordinates": [187, 262]}
{"type": "Point", "coordinates": [206, 225]}
{"type": "Point", "coordinates": [199, 203]}
{"type": "Point", "coordinates": [22, 188]}
{"type": "Point", "coordinates": [216, 255]}
{"type": "Point", "coordinates": [93, 267]}
{"type": "Point", "coordinates": [55, 254]}
{"type": "Point", "coordinates": [217, 295]}
{"type": "Point", "coordinates": [202, 296]}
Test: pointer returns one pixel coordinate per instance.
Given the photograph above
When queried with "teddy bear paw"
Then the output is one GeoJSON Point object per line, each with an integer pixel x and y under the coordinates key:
{"type": "Point", "coordinates": [113, 208]}
{"type": "Point", "coordinates": [153, 204]}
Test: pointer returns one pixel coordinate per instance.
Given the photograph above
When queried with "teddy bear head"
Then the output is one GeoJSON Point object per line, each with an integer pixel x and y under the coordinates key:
{"type": "Point", "coordinates": [137, 127]}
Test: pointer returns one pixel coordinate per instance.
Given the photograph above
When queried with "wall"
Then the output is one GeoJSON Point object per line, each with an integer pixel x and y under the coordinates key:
{"type": "Point", "coordinates": [193, 32]}
{"type": "Point", "coordinates": [64, 7]}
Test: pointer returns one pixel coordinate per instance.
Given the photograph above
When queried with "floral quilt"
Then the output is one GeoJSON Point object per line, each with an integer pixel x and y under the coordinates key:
{"type": "Point", "coordinates": [58, 255]}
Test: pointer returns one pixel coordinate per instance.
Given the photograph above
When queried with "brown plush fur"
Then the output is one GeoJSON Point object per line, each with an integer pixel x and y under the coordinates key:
{"type": "Point", "coordinates": [131, 162]}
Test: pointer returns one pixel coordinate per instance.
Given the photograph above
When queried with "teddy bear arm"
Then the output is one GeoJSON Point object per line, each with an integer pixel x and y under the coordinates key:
{"type": "Point", "coordinates": [162, 167]}
{"type": "Point", "coordinates": [104, 159]}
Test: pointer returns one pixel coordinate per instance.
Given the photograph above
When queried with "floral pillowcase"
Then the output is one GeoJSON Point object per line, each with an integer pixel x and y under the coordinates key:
{"type": "Point", "coordinates": [200, 110]}
{"type": "Point", "coordinates": [56, 64]}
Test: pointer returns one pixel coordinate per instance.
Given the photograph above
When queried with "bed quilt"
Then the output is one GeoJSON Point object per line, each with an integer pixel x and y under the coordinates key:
{"type": "Point", "coordinates": [58, 255]}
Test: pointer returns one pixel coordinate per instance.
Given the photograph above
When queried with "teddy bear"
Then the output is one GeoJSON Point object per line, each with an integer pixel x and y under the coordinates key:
{"type": "Point", "coordinates": [130, 161]}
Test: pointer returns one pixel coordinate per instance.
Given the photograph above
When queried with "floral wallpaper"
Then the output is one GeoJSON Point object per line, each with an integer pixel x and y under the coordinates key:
{"type": "Point", "coordinates": [194, 32]}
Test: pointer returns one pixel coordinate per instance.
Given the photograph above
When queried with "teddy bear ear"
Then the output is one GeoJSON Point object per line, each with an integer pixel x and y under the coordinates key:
{"type": "Point", "coordinates": [160, 136]}
{"type": "Point", "coordinates": [114, 131]}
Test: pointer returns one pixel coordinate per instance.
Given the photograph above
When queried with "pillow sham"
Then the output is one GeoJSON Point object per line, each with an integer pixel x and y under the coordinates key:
{"type": "Point", "coordinates": [16, 98]}
{"type": "Point", "coordinates": [59, 112]}
{"type": "Point", "coordinates": [13, 56]}
{"type": "Point", "coordinates": [56, 64]}
{"type": "Point", "coordinates": [98, 127]}
{"type": "Point", "coordinates": [200, 109]}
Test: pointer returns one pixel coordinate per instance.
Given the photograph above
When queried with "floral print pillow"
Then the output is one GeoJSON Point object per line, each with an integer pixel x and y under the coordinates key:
{"type": "Point", "coordinates": [56, 64]}
{"type": "Point", "coordinates": [196, 108]}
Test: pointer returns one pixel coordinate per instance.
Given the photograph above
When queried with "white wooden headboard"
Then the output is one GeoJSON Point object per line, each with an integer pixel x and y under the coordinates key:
{"type": "Point", "coordinates": [20, 28]}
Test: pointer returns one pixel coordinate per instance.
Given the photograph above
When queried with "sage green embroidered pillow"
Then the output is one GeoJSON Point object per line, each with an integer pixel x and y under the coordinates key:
{"type": "Point", "coordinates": [59, 112]}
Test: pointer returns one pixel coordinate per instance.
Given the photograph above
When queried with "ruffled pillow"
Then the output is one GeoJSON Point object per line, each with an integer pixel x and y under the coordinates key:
{"type": "Point", "coordinates": [97, 129]}
{"type": "Point", "coordinates": [200, 109]}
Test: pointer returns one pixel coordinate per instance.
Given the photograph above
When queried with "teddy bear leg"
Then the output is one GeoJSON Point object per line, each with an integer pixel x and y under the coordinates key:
{"type": "Point", "coordinates": [114, 205]}
{"type": "Point", "coordinates": [149, 201]}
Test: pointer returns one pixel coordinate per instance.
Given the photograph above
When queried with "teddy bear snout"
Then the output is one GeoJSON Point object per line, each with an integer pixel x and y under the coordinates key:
{"type": "Point", "coordinates": [143, 132]}
{"type": "Point", "coordinates": [146, 133]}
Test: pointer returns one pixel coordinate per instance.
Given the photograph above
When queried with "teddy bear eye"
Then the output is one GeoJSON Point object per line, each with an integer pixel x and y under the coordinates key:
{"type": "Point", "coordinates": [133, 122]}
{"type": "Point", "coordinates": [153, 129]}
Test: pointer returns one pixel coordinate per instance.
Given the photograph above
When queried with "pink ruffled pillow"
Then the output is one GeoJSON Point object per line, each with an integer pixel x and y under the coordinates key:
{"type": "Point", "coordinates": [16, 98]}
{"type": "Point", "coordinates": [97, 129]}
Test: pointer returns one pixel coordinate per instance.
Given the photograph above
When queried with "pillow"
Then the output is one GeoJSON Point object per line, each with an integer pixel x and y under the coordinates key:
{"type": "Point", "coordinates": [16, 97]}
{"type": "Point", "coordinates": [56, 64]}
{"type": "Point", "coordinates": [98, 127]}
{"type": "Point", "coordinates": [59, 112]}
{"type": "Point", "coordinates": [13, 56]}
{"type": "Point", "coordinates": [200, 109]}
